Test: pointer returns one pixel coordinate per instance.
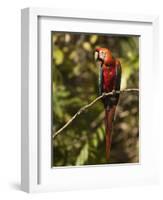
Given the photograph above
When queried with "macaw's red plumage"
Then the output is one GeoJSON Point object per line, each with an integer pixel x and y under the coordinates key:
{"type": "Point", "coordinates": [109, 80]}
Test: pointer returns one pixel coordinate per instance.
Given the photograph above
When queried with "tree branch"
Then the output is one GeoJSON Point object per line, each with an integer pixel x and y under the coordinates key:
{"type": "Point", "coordinates": [81, 110]}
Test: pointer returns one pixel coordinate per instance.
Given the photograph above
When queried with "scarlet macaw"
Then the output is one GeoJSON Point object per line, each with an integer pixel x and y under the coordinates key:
{"type": "Point", "coordinates": [109, 81]}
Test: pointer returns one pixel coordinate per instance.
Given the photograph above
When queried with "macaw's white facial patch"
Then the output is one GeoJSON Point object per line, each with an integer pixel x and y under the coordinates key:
{"type": "Point", "coordinates": [102, 55]}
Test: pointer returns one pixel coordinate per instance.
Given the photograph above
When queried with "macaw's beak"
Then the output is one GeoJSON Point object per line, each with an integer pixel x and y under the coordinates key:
{"type": "Point", "coordinates": [96, 55]}
{"type": "Point", "coordinates": [98, 62]}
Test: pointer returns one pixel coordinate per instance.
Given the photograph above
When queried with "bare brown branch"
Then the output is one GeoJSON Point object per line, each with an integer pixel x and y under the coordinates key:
{"type": "Point", "coordinates": [84, 108]}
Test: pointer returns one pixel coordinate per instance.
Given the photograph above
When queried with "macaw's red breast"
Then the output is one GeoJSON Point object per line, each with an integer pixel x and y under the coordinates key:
{"type": "Point", "coordinates": [109, 75]}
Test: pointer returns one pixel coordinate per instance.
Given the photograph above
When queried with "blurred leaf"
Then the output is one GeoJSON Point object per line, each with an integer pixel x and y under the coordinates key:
{"type": "Point", "coordinates": [93, 39]}
{"type": "Point", "coordinates": [83, 156]}
{"type": "Point", "coordinates": [87, 46]}
{"type": "Point", "coordinates": [101, 133]}
{"type": "Point", "coordinates": [58, 56]}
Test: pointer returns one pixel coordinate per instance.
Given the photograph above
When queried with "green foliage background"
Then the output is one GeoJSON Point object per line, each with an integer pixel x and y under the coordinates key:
{"type": "Point", "coordinates": [75, 84]}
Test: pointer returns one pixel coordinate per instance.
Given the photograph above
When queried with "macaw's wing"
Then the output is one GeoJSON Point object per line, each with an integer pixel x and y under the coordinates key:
{"type": "Point", "coordinates": [100, 81]}
{"type": "Point", "coordinates": [118, 75]}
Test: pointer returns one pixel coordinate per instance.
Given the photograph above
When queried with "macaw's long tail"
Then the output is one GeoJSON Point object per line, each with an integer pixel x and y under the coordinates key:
{"type": "Point", "coordinates": [109, 117]}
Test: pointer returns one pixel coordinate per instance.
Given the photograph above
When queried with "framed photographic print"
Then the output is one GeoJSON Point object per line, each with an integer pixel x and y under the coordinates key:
{"type": "Point", "coordinates": [87, 114]}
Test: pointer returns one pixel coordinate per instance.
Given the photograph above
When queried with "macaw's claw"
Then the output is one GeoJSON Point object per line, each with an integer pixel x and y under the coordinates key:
{"type": "Point", "coordinates": [114, 92]}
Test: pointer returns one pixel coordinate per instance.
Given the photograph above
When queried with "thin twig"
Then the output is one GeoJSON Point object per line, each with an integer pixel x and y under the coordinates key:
{"type": "Point", "coordinates": [81, 110]}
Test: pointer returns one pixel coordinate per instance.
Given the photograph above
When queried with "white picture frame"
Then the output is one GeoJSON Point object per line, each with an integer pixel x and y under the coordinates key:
{"type": "Point", "coordinates": [36, 171]}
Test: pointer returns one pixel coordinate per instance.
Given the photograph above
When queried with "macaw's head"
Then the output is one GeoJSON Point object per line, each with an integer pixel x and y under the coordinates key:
{"type": "Point", "coordinates": [103, 56]}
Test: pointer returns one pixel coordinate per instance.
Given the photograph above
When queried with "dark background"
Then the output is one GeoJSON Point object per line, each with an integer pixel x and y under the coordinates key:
{"type": "Point", "coordinates": [75, 84]}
